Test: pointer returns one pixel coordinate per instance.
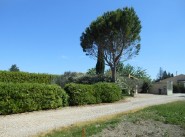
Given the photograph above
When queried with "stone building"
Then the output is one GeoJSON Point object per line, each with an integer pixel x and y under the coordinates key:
{"type": "Point", "coordinates": [166, 86]}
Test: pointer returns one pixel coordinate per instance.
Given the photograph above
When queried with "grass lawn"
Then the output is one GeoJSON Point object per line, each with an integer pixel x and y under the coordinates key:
{"type": "Point", "coordinates": [172, 113]}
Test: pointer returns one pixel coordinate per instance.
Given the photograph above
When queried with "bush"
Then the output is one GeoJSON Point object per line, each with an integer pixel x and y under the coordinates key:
{"type": "Point", "coordinates": [178, 88]}
{"type": "Point", "coordinates": [79, 78]}
{"type": "Point", "coordinates": [128, 85]}
{"type": "Point", "coordinates": [25, 97]}
{"type": "Point", "coordinates": [67, 77]}
{"type": "Point", "coordinates": [24, 77]}
{"type": "Point", "coordinates": [146, 87]}
{"type": "Point", "coordinates": [107, 92]}
{"type": "Point", "coordinates": [93, 79]}
{"type": "Point", "coordinates": [81, 94]}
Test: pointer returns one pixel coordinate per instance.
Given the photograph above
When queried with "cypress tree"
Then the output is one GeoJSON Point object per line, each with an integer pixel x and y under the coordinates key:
{"type": "Point", "coordinates": [100, 65]}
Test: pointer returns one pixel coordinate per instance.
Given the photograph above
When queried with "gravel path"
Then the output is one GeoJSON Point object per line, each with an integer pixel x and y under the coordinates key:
{"type": "Point", "coordinates": [30, 124]}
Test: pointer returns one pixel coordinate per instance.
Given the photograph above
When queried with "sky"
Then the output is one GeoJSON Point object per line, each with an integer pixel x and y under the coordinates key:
{"type": "Point", "coordinates": [43, 36]}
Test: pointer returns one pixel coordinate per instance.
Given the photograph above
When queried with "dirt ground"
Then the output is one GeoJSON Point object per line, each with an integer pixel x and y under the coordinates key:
{"type": "Point", "coordinates": [143, 128]}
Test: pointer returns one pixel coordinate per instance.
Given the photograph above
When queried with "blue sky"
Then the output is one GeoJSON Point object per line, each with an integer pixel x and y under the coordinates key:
{"type": "Point", "coordinates": [44, 35]}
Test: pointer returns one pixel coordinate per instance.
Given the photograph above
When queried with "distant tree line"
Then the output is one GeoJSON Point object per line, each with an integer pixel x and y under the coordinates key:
{"type": "Point", "coordinates": [163, 74]}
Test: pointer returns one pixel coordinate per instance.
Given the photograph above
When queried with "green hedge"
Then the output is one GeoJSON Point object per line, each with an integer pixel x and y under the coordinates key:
{"type": "Point", "coordinates": [24, 77]}
{"type": "Point", "coordinates": [107, 92]}
{"type": "Point", "coordinates": [24, 97]}
{"type": "Point", "coordinates": [81, 94]}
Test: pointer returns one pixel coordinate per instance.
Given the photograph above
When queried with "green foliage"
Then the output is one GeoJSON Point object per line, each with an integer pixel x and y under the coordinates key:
{"type": "Point", "coordinates": [23, 77]}
{"type": "Point", "coordinates": [137, 72]}
{"type": "Point", "coordinates": [100, 65]}
{"type": "Point", "coordinates": [173, 113]}
{"type": "Point", "coordinates": [116, 33]}
{"type": "Point", "coordinates": [120, 67]}
{"type": "Point", "coordinates": [107, 92]}
{"type": "Point", "coordinates": [79, 78]}
{"type": "Point", "coordinates": [179, 88]}
{"type": "Point", "coordinates": [67, 77]}
{"type": "Point", "coordinates": [25, 97]}
{"type": "Point", "coordinates": [139, 78]}
{"type": "Point", "coordinates": [146, 87]}
{"type": "Point", "coordinates": [14, 68]}
{"type": "Point", "coordinates": [91, 72]}
{"type": "Point", "coordinates": [81, 94]}
{"type": "Point", "coordinates": [92, 79]}
{"type": "Point", "coordinates": [170, 116]}
{"type": "Point", "coordinates": [128, 85]}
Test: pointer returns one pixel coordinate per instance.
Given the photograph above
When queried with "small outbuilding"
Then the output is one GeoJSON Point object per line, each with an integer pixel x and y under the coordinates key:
{"type": "Point", "coordinates": [166, 86]}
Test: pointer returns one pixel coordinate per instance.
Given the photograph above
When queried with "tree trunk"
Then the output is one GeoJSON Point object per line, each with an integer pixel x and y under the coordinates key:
{"type": "Point", "coordinates": [113, 69]}
{"type": "Point", "coordinates": [100, 65]}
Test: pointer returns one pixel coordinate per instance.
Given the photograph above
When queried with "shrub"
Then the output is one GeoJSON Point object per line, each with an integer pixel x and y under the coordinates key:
{"type": "Point", "coordinates": [24, 77]}
{"type": "Point", "coordinates": [107, 92]}
{"type": "Point", "coordinates": [128, 85]}
{"type": "Point", "coordinates": [81, 94]}
{"type": "Point", "coordinates": [93, 79]}
{"type": "Point", "coordinates": [67, 77]}
{"type": "Point", "coordinates": [146, 87]}
{"type": "Point", "coordinates": [25, 97]}
{"type": "Point", "coordinates": [79, 78]}
{"type": "Point", "coordinates": [178, 88]}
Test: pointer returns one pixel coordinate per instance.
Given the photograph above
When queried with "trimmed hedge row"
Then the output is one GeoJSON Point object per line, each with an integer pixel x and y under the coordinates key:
{"type": "Point", "coordinates": [81, 94]}
{"type": "Point", "coordinates": [24, 77]}
{"type": "Point", "coordinates": [25, 97]}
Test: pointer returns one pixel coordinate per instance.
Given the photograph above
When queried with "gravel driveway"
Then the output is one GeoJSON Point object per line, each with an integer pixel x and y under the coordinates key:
{"type": "Point", "coordinates": [33, 123]}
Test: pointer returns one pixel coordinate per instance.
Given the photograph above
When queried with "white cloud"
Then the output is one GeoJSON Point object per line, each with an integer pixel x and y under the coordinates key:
{"type": "Point", "coordinates": [63, 57]}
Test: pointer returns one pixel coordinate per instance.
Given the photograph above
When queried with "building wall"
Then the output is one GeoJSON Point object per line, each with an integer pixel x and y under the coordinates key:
{"type": "Point", "coordinates": [161, 87]}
